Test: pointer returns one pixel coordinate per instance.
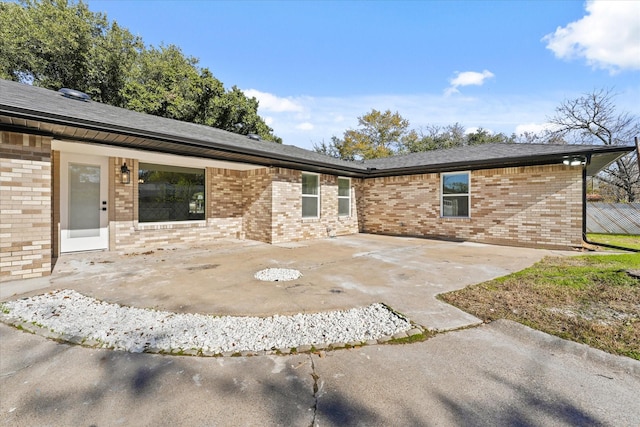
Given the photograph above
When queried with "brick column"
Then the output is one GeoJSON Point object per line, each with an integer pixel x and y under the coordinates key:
{"type": "Point", "coordinates": [25, 206]}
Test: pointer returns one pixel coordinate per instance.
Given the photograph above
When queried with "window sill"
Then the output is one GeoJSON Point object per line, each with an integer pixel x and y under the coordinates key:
{"type": "Point", "coordinates": [170, 225]}
{"type": "Point", "coordinates": [455, 218]}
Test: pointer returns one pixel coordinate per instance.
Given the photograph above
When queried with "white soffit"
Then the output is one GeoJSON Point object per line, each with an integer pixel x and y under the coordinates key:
{"type": "Point", "coordinates": [147, 156]}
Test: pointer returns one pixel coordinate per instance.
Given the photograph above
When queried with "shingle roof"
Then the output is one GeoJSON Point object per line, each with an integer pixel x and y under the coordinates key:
{"type": "Point", "coordinates": [23, 106]}
{"type": "Point", "coordinates": [495, 155]}
{"type": "Point", "coordinates": [44, 105]}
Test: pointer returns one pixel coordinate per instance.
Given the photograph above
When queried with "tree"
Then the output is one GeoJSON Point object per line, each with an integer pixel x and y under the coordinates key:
{"type": "Point", "coordinates": [60, 43]}
{"type": "Point", "coordinates": [386, 134]}
{"type": "Point", "coordinates": [114, 59]}
{"type": "Point", "coordinates": [593, 119]}
{"type": "Point", "coordinates": [434, 137]}
{"type": "Point", "coordinates": [328, 149]}
{"type": "Point", "coordinates": [483, 136]}
{"type": "Point", "coordinates": [163, 82]}
{"type": "Point", "coordinates": [50, 43]}
{"type": "Point", "coordinates": [235, 112]}
{"type": "Point", "coordinates": [379, 135]}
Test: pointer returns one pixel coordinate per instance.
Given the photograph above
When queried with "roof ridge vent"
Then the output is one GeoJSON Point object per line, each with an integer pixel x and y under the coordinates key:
{"type": "Point", "coordinates": [74, 94]}
{"type": "Point", "coordinates": [254, 136]}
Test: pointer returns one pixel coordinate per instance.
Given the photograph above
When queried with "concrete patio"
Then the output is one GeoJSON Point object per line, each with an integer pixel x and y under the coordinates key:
{"type": "Point", "coordinates": [339, 273]}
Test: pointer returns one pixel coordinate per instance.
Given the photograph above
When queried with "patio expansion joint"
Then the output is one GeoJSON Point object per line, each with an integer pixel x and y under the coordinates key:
{"type": "Point", "coordinates": [316, 389]}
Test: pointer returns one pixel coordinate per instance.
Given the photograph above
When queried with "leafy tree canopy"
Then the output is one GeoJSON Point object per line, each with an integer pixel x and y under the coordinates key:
{"type": "Point", "coordinates": [383, 134]}
{"type": "Point", "coordinates": [60, 43]}
{"type": "Point", "coordinates": [379, 135]}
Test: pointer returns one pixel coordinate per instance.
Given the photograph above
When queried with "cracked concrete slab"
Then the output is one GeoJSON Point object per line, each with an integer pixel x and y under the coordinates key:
{"type": "Point", "coordinates": [497, 374]}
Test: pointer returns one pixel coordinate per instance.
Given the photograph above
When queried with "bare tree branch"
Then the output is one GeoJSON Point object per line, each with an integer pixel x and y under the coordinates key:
{"type": "Point", "coordinates": [592, 119]}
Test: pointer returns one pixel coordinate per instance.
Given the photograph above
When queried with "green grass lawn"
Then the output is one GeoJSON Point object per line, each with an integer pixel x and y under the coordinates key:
{"type": "Point", "coordinates": [589, 299]}
{"type": "Point", "coordinates": [623, 240]}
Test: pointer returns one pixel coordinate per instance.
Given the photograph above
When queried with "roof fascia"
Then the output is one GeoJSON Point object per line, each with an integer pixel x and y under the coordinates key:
{"type": "Point", "coordinates": [519, 161]}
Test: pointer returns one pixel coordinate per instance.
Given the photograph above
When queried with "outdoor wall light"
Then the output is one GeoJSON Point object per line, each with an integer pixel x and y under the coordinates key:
{"type": "Point", "coordinates": [574, 161]}
{"type": "Point", "coordinates": [125, 174]}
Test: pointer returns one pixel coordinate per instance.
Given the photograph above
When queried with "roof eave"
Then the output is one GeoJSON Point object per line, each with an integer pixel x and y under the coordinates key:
{"type": "Point", "coordinates": [173, 144]}
{"type": "Point", "coordinates": [256, 156]}
{"type": "Point", "coordinates": [518, 161]}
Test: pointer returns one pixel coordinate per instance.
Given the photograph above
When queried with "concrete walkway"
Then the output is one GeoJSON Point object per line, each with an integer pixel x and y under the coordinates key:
{"type": "Point", "coordinates": [497, 374]}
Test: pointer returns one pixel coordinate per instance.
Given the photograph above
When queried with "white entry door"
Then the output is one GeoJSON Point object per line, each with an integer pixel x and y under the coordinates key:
{"type": "Point", "coordinates": [84, 215]}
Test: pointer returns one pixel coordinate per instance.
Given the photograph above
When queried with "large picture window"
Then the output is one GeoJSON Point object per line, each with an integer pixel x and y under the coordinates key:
{"type": "Point", "coordinates": [456, 198]}
{"type": "Point", "coordinates": [310, 195]}
{"type": "Point", "coordinates": [170, 193]}
{"type": "Point", "coordinates": [344, 197]}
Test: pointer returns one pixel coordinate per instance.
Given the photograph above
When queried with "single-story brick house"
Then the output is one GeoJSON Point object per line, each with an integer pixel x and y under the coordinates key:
{"type": "Point", "coordinates": [77, 175]}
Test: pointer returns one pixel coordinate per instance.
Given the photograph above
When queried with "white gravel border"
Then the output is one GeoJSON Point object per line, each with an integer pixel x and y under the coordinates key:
{"type": "Point", "coordinates": [88, 321]}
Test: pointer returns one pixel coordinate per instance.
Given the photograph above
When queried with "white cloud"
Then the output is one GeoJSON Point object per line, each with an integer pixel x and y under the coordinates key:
{"type": "Point", "coordinates": [270, 102]}
{"type": "Point", "coordinates": [474, 129]}
{"type": "Point", "coordinates": [534, 128]}
{"type": "Point", "coordinates": [468, 78]}
{"type": "Point", "coordinates": [608, 37]}
{"type": "Point", "coordinates": [305, 126]}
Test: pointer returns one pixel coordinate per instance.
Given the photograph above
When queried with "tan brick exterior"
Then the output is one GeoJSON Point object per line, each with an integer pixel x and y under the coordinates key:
{"type": "Point", "coordinates": [273, 208]}
{"type": "Point", "coordinates": [537, 206]}
{"type": "Point", "coordinates": [257, 204]}
{"type": "Point", "coordinates": [25, 206]}
{"type": "Point", "coordinates": [223, 212]}
{"type": "Point", "coordinates": [288, 224]}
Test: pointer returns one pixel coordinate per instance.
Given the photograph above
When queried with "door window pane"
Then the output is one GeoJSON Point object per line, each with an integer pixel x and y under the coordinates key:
{"type": "Point", "coordinates": [84, 200]}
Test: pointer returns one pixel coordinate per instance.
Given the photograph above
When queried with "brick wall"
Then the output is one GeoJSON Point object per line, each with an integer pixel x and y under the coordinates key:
{"type": "Point", "coordinates": [256, 205]}
{"type": "Point", "coordinates": [225, 199]}
{"type": "Point", "coordinates": [223, 212]}
{"type": "Point", "coordinates": [529, 206]}
{"type": "Point", "coordinates": [288, 224]}
{"type": "Point", "coordinates": [25, 206]}
{"type": "Point", "coordinates": [537, 206]}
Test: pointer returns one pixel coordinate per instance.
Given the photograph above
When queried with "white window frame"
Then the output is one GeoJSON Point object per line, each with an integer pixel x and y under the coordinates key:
{"type": "Point", "coordinates": [310, 196]}
{"type": "Point", "coordinates": [347, 197]}
{"type": "Point", "coordinates": [443, 196]}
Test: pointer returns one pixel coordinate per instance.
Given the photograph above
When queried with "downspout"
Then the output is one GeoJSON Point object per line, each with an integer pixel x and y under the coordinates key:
{"type": "Point", "coordinates": [584, 215]}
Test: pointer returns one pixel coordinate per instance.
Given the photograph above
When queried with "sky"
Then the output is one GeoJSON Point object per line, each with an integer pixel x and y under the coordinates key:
{"type": "Point", "coordinates": [316, 66]}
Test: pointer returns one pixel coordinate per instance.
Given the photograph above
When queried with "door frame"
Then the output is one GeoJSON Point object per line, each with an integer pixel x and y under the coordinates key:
{"type": "Point", "coordinates": [92, 243]}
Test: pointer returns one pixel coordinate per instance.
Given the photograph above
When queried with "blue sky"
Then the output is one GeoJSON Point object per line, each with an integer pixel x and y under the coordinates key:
{"type": "Point", "coordinates": [317, 66]}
